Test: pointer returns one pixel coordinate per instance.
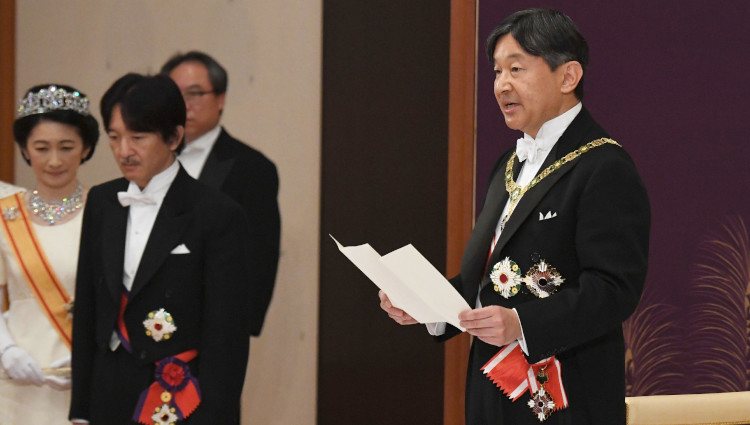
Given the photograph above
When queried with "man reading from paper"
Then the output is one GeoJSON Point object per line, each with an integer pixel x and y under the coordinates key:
{"type": "Point", "coordinates": [566, 224]}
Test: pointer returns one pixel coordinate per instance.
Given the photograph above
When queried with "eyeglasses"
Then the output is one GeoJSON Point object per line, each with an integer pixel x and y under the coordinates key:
{"type": "Point", "coordinates": [192, 96]}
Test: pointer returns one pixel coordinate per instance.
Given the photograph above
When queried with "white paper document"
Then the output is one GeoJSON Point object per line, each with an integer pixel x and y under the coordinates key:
{"type": "Point", "coordinates": [410, 281]}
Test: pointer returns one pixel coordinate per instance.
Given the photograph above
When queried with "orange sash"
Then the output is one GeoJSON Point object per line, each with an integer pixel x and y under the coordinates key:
{"type": "Point", "coordinates": [52, 296]}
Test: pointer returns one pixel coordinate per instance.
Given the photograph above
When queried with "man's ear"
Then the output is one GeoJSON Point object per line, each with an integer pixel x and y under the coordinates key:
{"type": "Point", "coordinates": [572, 72]}
{"type": "Point", "coordinates": [177, 137]}
{"type": "Point", "coordinates": [221, 98]}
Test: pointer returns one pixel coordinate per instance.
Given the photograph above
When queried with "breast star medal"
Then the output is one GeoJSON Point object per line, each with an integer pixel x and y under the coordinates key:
{"type": "Point", "coordinates": [159, 325]}
{"type": "Point", "coordinates": [10, 213]}
{"type": "Point", "coordinates": [542, 279]}
{"type": "Point", "coordinates": [505, 278]}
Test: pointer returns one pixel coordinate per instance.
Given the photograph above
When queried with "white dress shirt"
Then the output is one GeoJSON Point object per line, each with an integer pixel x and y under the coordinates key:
{"type": "Point", "coordinates": [141, 218]}
{"type": "Point", "coordinates": [193, 157]}
{"type": "Point", "coordinates": [546, 138]}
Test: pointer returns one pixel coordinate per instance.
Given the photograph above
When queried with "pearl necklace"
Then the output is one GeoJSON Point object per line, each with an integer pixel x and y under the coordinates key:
{"type": "Point", "coordinates": [52, 212]}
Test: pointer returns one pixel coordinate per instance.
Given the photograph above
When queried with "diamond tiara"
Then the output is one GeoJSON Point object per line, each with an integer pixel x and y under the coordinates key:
{"type": "Point", "coordinates": [52, 98]}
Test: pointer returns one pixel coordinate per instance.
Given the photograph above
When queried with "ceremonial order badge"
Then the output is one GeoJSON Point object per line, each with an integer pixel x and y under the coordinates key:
{"type": "Point", "coordinates": [510, 371]}
{"type": "Point", "coordinates": [165, 415]}
{"type": "Point", "coordinates": [159, 325]}
{"type": "Point", "coordinates": [541, 402]}
{"type": "Point", "coordinates": [505, 278]}
{"type": "Point", "coordinates": [543, 280]}
{"type": "Point", "coordinates": [173, 396]}
{"type": "Point", "coordinates": [10, 213]}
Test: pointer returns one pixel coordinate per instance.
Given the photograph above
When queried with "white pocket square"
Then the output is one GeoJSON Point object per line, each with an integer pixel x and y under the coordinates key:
{"type": "Point", "coordinates": [547, 216]}
{"type": "Point", "coordinates": [180, 249]}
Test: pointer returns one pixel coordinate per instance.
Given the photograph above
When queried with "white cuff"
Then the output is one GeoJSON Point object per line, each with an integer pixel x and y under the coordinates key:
{"type": "Point", "coordinates": [435, 329]}
{"type": "Point", "coordinates": [522, 339]}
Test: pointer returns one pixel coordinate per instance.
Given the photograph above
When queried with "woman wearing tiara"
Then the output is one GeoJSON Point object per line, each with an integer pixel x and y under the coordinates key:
{"type": "Point", "coordinates": [39, 236]}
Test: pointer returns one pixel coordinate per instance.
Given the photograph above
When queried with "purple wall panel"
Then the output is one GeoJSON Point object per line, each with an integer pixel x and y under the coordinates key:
{"type": "Point", "coordinates": [669, 80]}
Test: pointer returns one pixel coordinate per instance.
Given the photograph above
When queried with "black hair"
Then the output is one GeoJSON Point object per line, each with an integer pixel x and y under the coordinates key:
{"type": "Point", "coordinates": [547, 33]}
{"type": "Point", "coordinates": [147, 103]}
{"type": "Point", "coordinates": [85, 125]}
{"type": "Point", "coordinates": [216, 73]}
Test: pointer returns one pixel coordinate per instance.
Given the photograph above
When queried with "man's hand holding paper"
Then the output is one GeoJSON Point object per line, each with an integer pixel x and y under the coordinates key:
{"type": "Point", "coordinates": [416, 289]}
{"type": "Point", "coordinates": [494, 325]}
{"type": "Point", "coordinates": [399, 316]}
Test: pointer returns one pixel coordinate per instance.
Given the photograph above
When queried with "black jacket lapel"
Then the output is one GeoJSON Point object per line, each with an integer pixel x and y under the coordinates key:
{"type": "Point", "coordinates": [572, 138]}
{"type": "Point", "coordinates": [218, 164]}
{"type": "Point", "coordinates": [477, 250]}
{"type": "Point", "coordinates": [527, 204]}
{"type": "Point", "coordinates": [115, 220]}
{"type": "Point", "coordinates": [476, 253]}
{"type": "Point", "coordinates": [171, 221]}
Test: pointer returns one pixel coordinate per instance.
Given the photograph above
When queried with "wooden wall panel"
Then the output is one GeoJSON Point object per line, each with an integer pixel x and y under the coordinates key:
{"type": "Point", "coordinates": [461, 143]}
{"type": "Point", "coordinates": [384, 181]}
{"type": "Point", "coordinates": [7, 87]}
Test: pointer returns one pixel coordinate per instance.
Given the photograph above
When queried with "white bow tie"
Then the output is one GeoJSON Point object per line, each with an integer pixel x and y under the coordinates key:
{"type": "Point", "coordinates": [529, 149]}
{"type": "Point", "coordinates": [127, 199]}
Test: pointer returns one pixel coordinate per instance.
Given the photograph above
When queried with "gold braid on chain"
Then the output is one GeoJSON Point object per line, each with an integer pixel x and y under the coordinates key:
{"type": "Point", "coordinates": [516, 191]}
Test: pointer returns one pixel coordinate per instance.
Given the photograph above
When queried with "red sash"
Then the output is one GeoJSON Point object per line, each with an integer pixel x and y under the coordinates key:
{"type": "Point", "coordinates": [510, 371]}
{"type": "Point", "coordinates": [173, 396]}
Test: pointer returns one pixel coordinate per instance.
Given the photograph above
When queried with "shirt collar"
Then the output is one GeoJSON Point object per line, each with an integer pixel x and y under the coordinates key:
{"type": "Point", "coordinates": [203, 143]}
{"type": "Point", "coordinates": [159, 184]}
{"type": "Point", "coordinates": [551, 130]}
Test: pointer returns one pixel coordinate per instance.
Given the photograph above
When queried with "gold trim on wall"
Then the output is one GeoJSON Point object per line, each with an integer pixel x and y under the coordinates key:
{"type": "Point", "coordinates": [461, 170]}
{"type": "Point", "coordinates": [7, 87]}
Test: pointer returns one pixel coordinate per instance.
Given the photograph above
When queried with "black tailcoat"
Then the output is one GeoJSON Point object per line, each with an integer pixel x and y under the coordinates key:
{"type": "Point", "coordinates": [204, 290]}
{"type": "Point", "coordinates": [248, 177]}
{"type": "Point", "coordinates": [598, 241]}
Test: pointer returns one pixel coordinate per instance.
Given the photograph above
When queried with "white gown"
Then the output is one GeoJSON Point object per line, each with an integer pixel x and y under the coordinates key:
{"type": "Point", "coordinates": [7, 189]}
{"type": "Point", "coordinates": [29, 404]}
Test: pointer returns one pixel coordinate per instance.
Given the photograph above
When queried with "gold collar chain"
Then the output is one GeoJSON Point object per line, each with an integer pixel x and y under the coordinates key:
{"type": "Point", "coordinates": [516, 191]}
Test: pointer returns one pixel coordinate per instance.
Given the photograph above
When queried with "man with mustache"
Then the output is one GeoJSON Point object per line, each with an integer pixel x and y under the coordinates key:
{"type": "Point", "coordinates": [160, 317]}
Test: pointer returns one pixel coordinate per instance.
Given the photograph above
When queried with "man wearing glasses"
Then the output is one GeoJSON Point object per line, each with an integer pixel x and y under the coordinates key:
{"type": "Point", "coordinates": [219, 160]}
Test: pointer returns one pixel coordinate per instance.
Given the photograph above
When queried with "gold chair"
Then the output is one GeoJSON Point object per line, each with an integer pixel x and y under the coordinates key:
{"type": "Point", "coordinates": [690, 409]}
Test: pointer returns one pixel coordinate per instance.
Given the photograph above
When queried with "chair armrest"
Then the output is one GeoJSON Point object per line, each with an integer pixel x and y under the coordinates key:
{"type": "Point", "coordinates": [690, 409]}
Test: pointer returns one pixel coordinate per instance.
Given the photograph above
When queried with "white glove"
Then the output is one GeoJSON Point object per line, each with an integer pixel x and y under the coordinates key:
{"type": "Point", "coordinates": [19, 365]}
{"type": "Point", "coordinates": [60, 383]}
